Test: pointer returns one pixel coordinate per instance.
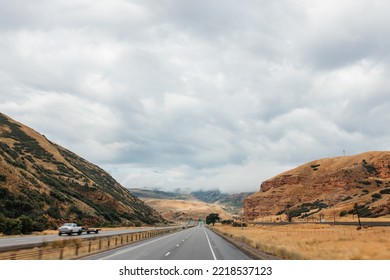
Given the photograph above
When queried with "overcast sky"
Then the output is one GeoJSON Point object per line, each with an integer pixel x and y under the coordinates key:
{"type": "Point", "coordinates": [199, 94]}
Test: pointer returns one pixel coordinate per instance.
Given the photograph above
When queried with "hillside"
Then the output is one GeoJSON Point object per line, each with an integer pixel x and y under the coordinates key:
{"type": "Point", "coordinates": [177, 210]}
{"type": "Point", "coordinates": [48, 184]}
{"type": "Point", "coordinates": [329, 187]}
{"type": "Point", "coordinates": [157, 194]}
{"type": "Point", "coordinates": [231, 202]}
{"type": "Point", "coordinates": [176, 206]}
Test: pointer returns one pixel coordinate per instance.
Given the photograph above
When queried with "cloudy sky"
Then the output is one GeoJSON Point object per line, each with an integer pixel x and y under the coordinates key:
{"type": "Point", "coordinates": [199, 94]}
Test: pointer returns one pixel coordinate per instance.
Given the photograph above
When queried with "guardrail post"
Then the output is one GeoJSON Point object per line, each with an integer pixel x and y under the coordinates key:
{"type": "Point", "coordinates": [89, 247]}
{"type": "Point", "coordinates": [77, 249]}
{"type": "Point", "coordinates": [62, 253]}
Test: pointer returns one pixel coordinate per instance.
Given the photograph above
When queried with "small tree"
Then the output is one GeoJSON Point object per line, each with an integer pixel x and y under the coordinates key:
{"type": "Point", "coordinates": [12, 226]}
{"type": "Point", "coordinates": [212, 218]}
{"type": "Point", "coordinates": [27, 224]}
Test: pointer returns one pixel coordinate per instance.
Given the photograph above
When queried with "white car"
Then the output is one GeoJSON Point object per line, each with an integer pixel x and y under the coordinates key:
{"type": "Point", "coordinates": [69, 229]}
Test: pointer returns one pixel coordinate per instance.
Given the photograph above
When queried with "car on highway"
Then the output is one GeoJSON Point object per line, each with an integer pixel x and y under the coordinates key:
{"type": "Point", "coordinates": [70, 228]}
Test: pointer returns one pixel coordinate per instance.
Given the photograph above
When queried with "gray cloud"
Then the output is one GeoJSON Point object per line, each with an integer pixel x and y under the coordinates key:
{"type": "Point", "coordinates": [198, 94]}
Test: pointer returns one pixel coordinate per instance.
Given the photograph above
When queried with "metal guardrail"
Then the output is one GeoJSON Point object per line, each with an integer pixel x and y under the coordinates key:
{"type": "Point", "coordinates": [75, 248]}
{"type": "Point", "coordinates": [364, 223]}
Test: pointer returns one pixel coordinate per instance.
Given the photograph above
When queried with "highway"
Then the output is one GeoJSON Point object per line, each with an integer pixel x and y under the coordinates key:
{"type": "Point", "coordinates": [23, 241]}
{"type": "Point", "coordinates": [196, 243]}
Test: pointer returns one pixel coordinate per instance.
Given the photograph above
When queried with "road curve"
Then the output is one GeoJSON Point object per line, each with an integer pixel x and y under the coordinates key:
{"type": "Point", "coordinates": [197, 243]}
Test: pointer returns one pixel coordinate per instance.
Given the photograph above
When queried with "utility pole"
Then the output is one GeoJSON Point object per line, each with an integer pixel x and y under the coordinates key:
{"type": "Point", "coordinates": [334, 215]}
{"type": "Point", "coordinates": [357, 213]}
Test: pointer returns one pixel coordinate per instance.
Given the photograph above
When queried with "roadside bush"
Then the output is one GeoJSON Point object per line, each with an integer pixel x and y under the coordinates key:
{"type": "Point", "coordinates": [376, 195]}
{"type": "Point", "coordinates": [12, 226]}
{"type": "Point", "coordinates": [137, 223]}
{"type": "Point", "coordinates": [2, 222]}
{"type": "Point", "coordinates": [237, 224]}
{"type": "Point", "coordinates": [40, 224]}
{"type": "Point", "coordinates": [3, 178]}
{"type": "Point", "coordinates": [26, 224]}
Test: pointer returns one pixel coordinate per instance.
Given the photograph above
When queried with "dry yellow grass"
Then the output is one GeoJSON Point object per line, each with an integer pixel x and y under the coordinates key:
{"type": "Point", "coordinates": [183, 210]}
{"type": "Point", "coordinates": [316, 242]}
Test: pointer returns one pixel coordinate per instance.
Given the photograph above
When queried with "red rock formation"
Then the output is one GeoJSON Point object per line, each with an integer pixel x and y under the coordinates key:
{"type": "Point", "coordinates": [333, 181]}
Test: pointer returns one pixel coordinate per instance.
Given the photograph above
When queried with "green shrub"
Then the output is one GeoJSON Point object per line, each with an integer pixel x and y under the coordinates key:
{"type": "Point", "coordinates": [40, 224]}
{"type": "Point", "coordinates": [54, 212]}
{"type": "Point", "coordinates": [238, 224]}
{"type": "Point", "coordinates": [376, 195]}
{"type": "Point", "coordinates": [74, 210]}
{"type": "Point", "coordinates": [370, 168]}
{"type": "Point", "coordinates": [365, 212]}
{"type": "Point", "coordinates": [12, 226]}
{"type": "Point", "coordinates": [343, 213]}
{"type": "Point", "coordinates": [385, 191]}
{"type": "Point", "coordinates": [364, 182]}
{"type": "Point", "coordinates": [137, 223]}
{"type": "Point", "coordinates": [4, 192]}
{"type": "Point", "coordinates": [27, 224]}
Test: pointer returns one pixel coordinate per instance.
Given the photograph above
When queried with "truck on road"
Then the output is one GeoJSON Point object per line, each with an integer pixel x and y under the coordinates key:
{"type": "Point", "coordinates": [70, 228]}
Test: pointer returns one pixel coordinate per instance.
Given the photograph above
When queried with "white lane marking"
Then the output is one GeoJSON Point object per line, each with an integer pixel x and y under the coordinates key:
{"type": "Point", "coordinates": [167, 254]}
{"type": "Point", "coordinates": [208, 240]}
{"type": "Point", "coordinates": [177, 245]}
{"type": "Point", "coordinates": [132, 248]}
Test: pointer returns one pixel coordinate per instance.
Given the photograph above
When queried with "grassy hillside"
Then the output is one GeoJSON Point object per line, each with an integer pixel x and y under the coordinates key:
{"type": "Point", "coordinates": [43, 184]}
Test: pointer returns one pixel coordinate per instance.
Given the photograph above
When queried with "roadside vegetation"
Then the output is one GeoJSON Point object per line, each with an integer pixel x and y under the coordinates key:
{"type": "Point", "coordinates": [314, 241]}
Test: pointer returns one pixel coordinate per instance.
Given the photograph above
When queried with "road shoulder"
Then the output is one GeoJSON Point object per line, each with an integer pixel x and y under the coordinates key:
{"type": "Point", "coordinates": [247, 249]}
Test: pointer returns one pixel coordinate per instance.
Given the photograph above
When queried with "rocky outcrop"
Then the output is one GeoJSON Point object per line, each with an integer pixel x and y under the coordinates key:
{"type": "Point", "coordinates": [338, 182]}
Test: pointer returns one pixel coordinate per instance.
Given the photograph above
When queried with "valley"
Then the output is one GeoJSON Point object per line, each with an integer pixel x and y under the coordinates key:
{"type": "Point", "coordinates": [293, 215]}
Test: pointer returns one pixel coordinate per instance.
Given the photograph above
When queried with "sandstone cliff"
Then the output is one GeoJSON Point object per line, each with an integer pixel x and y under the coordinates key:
{"type": "Point", "coordinates": [318, 186]}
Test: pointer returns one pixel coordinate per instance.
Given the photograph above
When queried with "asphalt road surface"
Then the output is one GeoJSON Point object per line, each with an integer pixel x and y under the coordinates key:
{"type": "Point", "coordinates": [22, 241]}
{"type": "Point", "coordinates": [197, 243]}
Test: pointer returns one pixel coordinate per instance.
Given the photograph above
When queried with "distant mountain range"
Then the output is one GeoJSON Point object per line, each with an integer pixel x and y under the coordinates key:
{"type": "Point", "coordinates": [45, 184]}
{"type": "Point", "coordinates": [230, 203]}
